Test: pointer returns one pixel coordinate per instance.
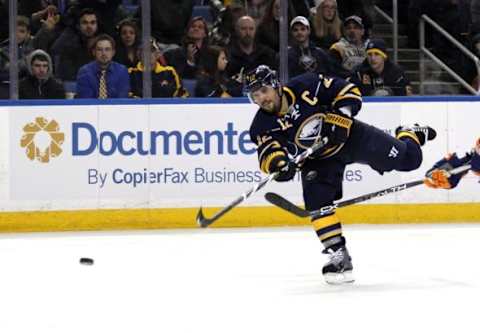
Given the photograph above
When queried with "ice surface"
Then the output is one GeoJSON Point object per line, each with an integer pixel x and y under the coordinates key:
{"type": "Point", "coordinates": [409, 279]}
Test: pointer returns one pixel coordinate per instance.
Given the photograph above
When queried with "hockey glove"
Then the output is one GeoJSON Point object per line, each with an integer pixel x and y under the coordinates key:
{"type": "Point", "coordinates": [476, 158]}
{"type": "Point", "coordinates": [286, 169]}
{"type": "Point", "coordinates": [439, 176]}
{"type": "Point", "coordinates": [339, 129]}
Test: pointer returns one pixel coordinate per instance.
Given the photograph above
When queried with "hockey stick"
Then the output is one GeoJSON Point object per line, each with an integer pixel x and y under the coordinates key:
{"type": "Point", "coordinates": [205, 222]}
{"type": "Point", "coordinates": [289, 206]}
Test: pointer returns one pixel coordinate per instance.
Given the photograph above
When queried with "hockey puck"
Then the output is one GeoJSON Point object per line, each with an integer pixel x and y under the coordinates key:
{"type": "Point", "coordinates": [86, 261]}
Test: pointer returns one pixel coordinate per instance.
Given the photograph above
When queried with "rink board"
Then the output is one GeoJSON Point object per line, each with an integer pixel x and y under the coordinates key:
{"type": "Point", "coordinates": [80, 165]}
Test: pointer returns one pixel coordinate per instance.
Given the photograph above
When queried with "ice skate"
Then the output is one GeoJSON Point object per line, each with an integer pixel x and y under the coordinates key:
{"type": "Point", "coordinates": [423, 133]}
{"type": "Point", "coordinates": [338, 269]}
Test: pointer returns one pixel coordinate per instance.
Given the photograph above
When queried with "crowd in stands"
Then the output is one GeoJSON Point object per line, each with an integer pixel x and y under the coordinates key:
{"type": "Point", "coordinates": [93, 48]}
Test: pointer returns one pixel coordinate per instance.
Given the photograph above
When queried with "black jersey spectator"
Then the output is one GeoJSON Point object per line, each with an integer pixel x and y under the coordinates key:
{"type": "Point", "coordinates": [40, 83]}
{"type": "Point", "coordinates": [165, 80]}
{"type": "Point", "coordinates": [378, 76]}
{"type": "Point", "coordinates": [213, 80]}
{"type": "Point", "coordinates": [303, 56]}
{"type": "Point", "coordinates": [71, 50]}
{"type": "Point", "coordinates": [350, 50]}
{"type": "Point", "coordinates": [245, 53]}
{"type": "Point", "coordinates": [128, 43]}
{"type": "Point", "coordinates": [327, 24]}
{"type": "Point", "coordinates": [186, 58]}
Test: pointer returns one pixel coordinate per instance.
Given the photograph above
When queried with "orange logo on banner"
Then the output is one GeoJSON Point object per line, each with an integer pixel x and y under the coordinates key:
{"type": "Point", "coordinates": [32, 130]}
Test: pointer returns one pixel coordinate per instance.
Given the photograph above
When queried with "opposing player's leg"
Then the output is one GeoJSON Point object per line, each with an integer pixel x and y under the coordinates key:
{"type": "Point", "coordinates": [322, 184]}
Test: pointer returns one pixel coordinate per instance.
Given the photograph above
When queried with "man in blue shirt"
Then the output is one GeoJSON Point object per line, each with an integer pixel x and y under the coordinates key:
{"type": "Point", "coordinates": [103, 78]}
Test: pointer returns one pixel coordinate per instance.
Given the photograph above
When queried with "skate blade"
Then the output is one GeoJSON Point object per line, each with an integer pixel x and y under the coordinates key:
{"type": "Point", "coordinates": [339, 278]}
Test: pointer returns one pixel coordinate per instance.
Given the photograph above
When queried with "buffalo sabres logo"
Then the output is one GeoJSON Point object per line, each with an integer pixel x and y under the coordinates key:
{"type": "Point", "coordinates": [309, 132]}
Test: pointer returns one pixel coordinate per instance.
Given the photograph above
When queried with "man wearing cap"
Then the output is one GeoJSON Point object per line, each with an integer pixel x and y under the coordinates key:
{"type": "Point", "coordinates": [378, 76]}
{"type": "Point", "coordinates": [350, 50]}
{"type": "Point", "coordinates": [303, 56]}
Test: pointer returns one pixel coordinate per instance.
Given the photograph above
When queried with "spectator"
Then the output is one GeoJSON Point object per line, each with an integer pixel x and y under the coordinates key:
{"type": "Point", "coordinates": [25, 44]}
{"type": "Point", "coordinates": [213, 80]}
{"type": "Point", "coordinates": [348, 8]}
{"type": "Point", "coordinates": [378, 76]}
{"type": "Point", "coordinates": [256, 9]}
{"type": "Point", "coordinates": [224, 27]}
{"type": "Point", "coordinates": [185, 59]}
{"type": "Point", "coordinates": [350, 51]}
{"type": "Point", "coordinates": [38, 10]}
{"type": "Point", "coordinates": [327, 23]}
{"type": "Point", "coordinates": [303, 56]}
{"type": "Point", "coordinates": [103, 78]}
{"type": "Point", "coordinates": [165, 80]}
{"type": "Point", "coordinates": [268, 29]}
{"type": "Point", "coordinates": [128, 43]}
{"type": "Point", "coordinates": [245, 53]}
{"type": "Point", "coordinates": [169, 20]}
{"type": "Point", "coordinates": [50, 28]}
{"type": "Point", "coordinates": [109, 13]}
{"type": "Point", "coordinates": [71, 50]}
{"type": "Point", "coordinates": [40, 83]}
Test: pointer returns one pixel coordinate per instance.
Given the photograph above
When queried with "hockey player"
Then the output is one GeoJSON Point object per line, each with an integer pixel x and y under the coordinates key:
{"type": "Point", "coordinates": [313, 108]}
{"type": "Point", "coordinates": [439, 177]}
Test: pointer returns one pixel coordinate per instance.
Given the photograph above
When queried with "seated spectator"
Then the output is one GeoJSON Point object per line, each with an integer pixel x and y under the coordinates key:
{"type": "Point", "coordinates": [327, 23]}
{"type": "Point", "coordinates": [40, 83]}
{"type": "Point", "coordinates": [224, 27]}
{"type": "Point", "coordinates": [103, 78]}
{"type": "Point", "coordinates": [71, 50]}
{"type": "Point", "coordinates": [378, 76]}
{"type": "Point", "coordinates": [128, 43]}
{"type": "Point", "coordinates": [245, 53]}
{"type": "Point", "coordinates": [350, 51]}
{"type": "Point", "coordinates": [303, 56]}
{"type": "Point", "coordinates": [25, 44]}
{"type": "Point", "coordinates": [165, 80]}
{"type": "Point", "coordinates": [186, 58]}
{"type": "Point", "coordinates": [213, 80]}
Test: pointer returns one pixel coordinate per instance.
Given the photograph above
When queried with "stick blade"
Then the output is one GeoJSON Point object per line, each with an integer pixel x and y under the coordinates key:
{"type": "Point", "coordinates": [283, 203]}
{"type": "Point", "coordinates": [202, 221]}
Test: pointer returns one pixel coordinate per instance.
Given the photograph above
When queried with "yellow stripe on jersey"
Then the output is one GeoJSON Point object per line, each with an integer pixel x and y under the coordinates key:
{"type": "Point", "coordinates": [410, 135]}
{"type": "Point", "coordinates": [273, 144]}
{"type": "Point", "coordinates": [292, 95]}
{"type": "Point", "coordinates": [345, 89]}
{"type": "Point", "coordinates": [265, 164]}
